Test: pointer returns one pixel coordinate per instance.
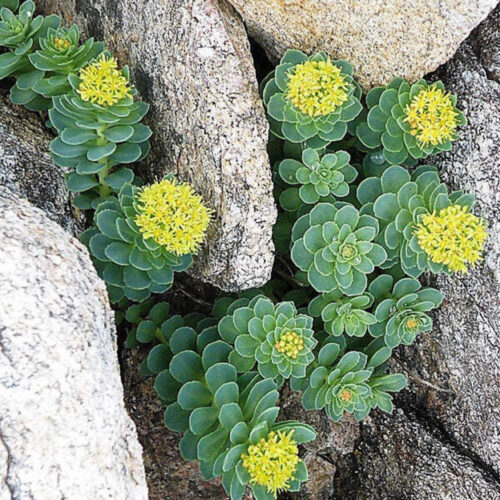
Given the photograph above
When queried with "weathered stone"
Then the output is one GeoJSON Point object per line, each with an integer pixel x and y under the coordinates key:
{"type": "Point", "coordinates": [486, 42]}
{"type": "Point", "coordinates": [462, 352]}
{"type": "Point", "coordinates": [190, 60]}
{"type": "Point", "coordinates": [27, 169]}
{"type": "Point", "coordinates": [398, 458]}
{"type": "Point", "coordinates": [168, 475]}
{"type": "Point", "coordinates": [382, 39]}
{"type": "Point", "coordinates": [64, 430]}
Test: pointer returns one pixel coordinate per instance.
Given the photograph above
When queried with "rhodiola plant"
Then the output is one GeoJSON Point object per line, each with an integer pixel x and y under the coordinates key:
{"type": "Point", "coordinates": [335, 248]}
{"type": "Point", "coordinates": [410, 122]}
{"type": "Point", "coordinates": [310, 99]}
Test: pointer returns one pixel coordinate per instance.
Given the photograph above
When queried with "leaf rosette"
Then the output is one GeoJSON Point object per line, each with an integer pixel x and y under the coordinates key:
{"type": "Point", "coordinates": [410, 122]}
{"type": "Point", "coordinates": [335, 248]}
{"type": "Point", "coordinates": [311, 100]}
{"type": "Point", "coordinates": [228, 420]}
{"type": "Point", "coordinates": [399, 201]}
{"type": "Point", "coordinates": [401, 309]}
{"type": "Point", "coordinates": [21, 33]}
{"type": "Point", "coordinates": [94, 139]}
{"type": "Point", "coordinates": [317, 177]}
{"type": "Point", "coordinates": [131, 265]}
{"type": "Point", "coordinates": [275, 337]}
{"type": "Point", "coordinates": [342, 314]}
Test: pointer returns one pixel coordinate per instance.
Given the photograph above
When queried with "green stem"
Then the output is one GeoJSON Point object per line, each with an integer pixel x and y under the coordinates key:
{"type": "Point", "coordinates": [104, 189]}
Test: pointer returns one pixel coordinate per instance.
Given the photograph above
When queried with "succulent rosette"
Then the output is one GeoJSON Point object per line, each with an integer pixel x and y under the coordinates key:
{"type": "Point", "coordinates": [353, 382]}
{"type": "Point", "coordinates": [99, 128]}
{"type": "Point", "coordinates": [59, 55]}
{"type": "Point", "coordinates": [335, 248]}
{"type": "Point", "coordinates": [275, 337]}
{"type": "Point", "coordinates": [311, 100]}
{"type": "Point", "coordinates": [318, 176]}
{"type": "Point", "coordinates": [410, 122]}
{"type": "Point", "coordinates": [137, 242]}
{"type": "Point", "coordinates": [423, 226]}
{"type": "Point", "coordinates": [401, 309]}
{"type": "Point", "coordinates": [228, 420]}
{"type": "Point", "coordinates": [20, 33]}
{"type": "Point", "coordinates": [342, 314]}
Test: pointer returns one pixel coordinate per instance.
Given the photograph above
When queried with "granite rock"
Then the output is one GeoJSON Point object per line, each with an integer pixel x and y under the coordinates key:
{"type": "Point", "coordinates": [190, 59]}
{"type": "Point", "coordinates": [26, 167]}
{"type": "Point", "coordinates": [64, 430]}
{"type": "Point", "coordinates": [383, 39]}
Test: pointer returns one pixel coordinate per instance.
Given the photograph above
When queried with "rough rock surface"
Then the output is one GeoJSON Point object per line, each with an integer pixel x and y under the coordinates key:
{"type": "Point", "coordinates": [399, 458]}
{"type": "Point", "coordinates": [190, 60]}
{"type": "Point", "coordinates": [64, 430]}
{"type": "Point", "coordinates": [486, 43]}
{"type": "Point", "coordinates": [462, 354]}
{"type": "Point", "coordinates": [169, 477]}
{"type": "Point", "coordinates": [383, 39]}
{"type": "Point", "coordinates": [27, 169]}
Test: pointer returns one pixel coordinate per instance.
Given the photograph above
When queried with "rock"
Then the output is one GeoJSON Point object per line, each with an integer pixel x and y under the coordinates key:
{"type": "Point", "coordinates": [64, 430]}
{"type": "Point", "coordinates": [190, 59]}
{"type": "Point", "coordinates": [486, 43]}
{"type": "Point", "coordinates": [168, 475]}
{"type": "Point", "coordinates": [398, 458]}
{"type": "Point", "coordinates": [461, 354]}
{"type": "Point", "coordinates": [382, 39]}
{"type": "Point", "coordinates": [27, 169]}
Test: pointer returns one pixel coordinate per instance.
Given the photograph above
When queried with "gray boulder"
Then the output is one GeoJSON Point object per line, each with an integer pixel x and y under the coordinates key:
{"type": "Point", "coordinates": [64, 430]}
{"type": "Point", "coordinates": [27, 169]}
{"type": "Point", "coordinates": [382, 39]}
{"type": "Point", "coordinates": [190, 59]}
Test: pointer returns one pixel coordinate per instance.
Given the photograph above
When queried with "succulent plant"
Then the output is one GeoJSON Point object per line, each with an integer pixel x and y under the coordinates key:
{"type": "Point", "coordinates": [310, 100]}
{"type": "Point", "coordinates": [99, 128]}
{"type": "Point", "coordinates": [59, 55]}
{"type": "Point", "coordinates": [342, 314]}
{"type": "Point", "coordinates": [20, 33]}
{"type": "Point", "coordinates": [275, 337]}
{"type": "Point", "coordinates": [335, 248]}
{"type": "Point", "coordinates": [407, 206]}
{"type": "Point", "coordinates": [147, 320]}
{"type": "Point", "coordinates": [410, 122]}
{"type": "Point", "coordinates": [131, 260]}
{"type": "Point", "coordinates": [228, 421]}
{"type": "Point", "coordinates": [318, 177]}
{"type": "Point", "coordinates": [354, 384]}
{"type": "Point", "coordinates": [401, 309]}
{"type": "Point", "coordinates": [12, 5]}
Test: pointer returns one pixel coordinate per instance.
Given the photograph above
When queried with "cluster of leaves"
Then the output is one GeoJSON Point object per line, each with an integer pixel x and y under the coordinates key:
{"type": "Point", "coordinates": [352, 230]}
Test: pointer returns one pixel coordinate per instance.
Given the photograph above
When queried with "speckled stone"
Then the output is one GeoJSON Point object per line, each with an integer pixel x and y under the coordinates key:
{"type": "Point", "coordinates": [64, 430]}
{"type": "Point", "coordinates": [382, 38]}
{"type": "Point", "coordinates": [26, 167]}
{"type": "Point", "coordinates": [190, 60]}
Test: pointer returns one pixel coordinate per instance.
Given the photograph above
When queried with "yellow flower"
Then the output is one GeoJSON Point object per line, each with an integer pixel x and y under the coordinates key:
{"type": "Point", "coordinates": [102, 83]}
{"type": "Point", "coordinates": [317, 88]}
{"type": "Point", "coordinates": [173, 215]}
{"type": "Point", "coordinates": [290, 344]}
{"type": "Point", "coordinates": [61, 44]}
{"type": "Point", "coordinates": [431, 116]}
{"type": "Point", "coordinates": [272, 461]}
{"type": "Point", "coordinates": [454, 238]}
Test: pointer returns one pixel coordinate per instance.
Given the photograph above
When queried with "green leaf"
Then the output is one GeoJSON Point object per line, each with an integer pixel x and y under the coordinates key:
{"type": "Point", "coordinates": [159, 358]}
{"type": "Point", "coordinates": [194, 395]}
{"type": "Point", "coordinates": [119, 133]}
{"type": "Point", "coordinates": [119, 178]}
{"type": "Point", "coordinates": [76, 136]}
{"type": "Point", "coordinates": [118, 252]}
{"type": "Point", "coordinates": [96, 153]}
{"type": "Point", "coordinates": [78, 183]}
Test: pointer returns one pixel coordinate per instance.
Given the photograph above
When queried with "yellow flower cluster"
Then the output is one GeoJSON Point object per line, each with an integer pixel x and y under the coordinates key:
{"type": "Point", "coordinates": [345, 395]}
{"type": "Point", "coordinates": [431, 116]}
{"type": "Point", "coordinates": [102, 83]}
{"type": "Point", "coordinates": [61, 44]}
{"type": "Point", "coordinates": [317, 88]}
{"type": "Point", "coordinates": [412, 322]}
{"type": "Point", "coordinates": [173, 215]}
{"type": "Point", "coordinates": [272, 461]}
{"type": "Point", "coordinates": [290, 344]}
{"type": "Point", "coordinates": [454, 238]}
